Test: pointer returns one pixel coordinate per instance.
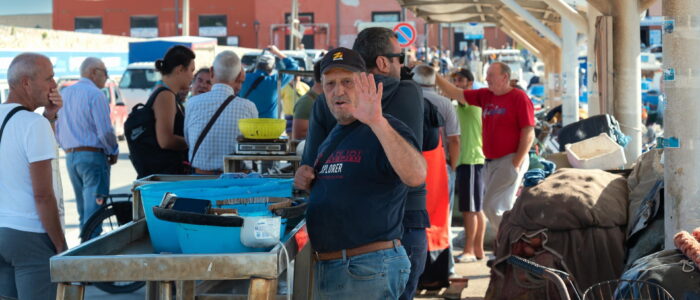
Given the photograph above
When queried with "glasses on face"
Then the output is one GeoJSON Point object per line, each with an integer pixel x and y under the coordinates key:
{"type": "Point", "coordinates": [103, 70]}
{"type": "Point", "coordinates": [401, 56]}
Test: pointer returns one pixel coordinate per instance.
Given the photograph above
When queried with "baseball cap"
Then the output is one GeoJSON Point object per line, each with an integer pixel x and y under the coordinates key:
{"type": "Point", "coordinates": [344, 58]}
{"type": "Point", "coordinates": [266, 59]}
{"type": "Point", "coordinates": [465, 73]}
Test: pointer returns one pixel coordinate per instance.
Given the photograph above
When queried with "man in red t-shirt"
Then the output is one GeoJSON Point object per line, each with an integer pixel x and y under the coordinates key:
{"type": "Point", "coordinates": [508, 132]}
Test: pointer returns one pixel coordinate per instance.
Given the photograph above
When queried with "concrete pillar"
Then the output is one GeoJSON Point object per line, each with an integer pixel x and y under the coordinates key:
{"type": "Point", "coordinates": [593, 94]}
{"type": "Point", "coordinates": [628, 78]}
{"type": "Point", "coordinates": [569, 81]}
{"type": "Point", "coordinates": [681, 48]}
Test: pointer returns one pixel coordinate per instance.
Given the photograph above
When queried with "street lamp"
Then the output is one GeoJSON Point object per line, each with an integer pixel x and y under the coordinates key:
{"type": "Point", "coordinates": [256, 27]}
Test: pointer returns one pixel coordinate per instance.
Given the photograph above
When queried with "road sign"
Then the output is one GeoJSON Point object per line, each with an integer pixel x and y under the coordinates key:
{"type": "Point", "coordinates": [406, 34]}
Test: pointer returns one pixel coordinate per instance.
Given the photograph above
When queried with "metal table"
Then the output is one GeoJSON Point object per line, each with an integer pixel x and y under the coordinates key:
{"type": "Point", "coordinates": [232, 163]}
{"type": "Point", "coordinates": [126, 254]}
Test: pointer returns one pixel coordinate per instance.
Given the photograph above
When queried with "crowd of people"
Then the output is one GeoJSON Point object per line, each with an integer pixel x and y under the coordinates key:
{"type": "Point", "coordinates": [388, 142]}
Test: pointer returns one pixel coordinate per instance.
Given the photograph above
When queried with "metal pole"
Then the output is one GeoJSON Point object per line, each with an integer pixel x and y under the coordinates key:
{"type": "Point", "coordinates": [569, 64]}
{"type": "Point", "coordinates": [427, 36]}
{"type": "Point", "coordinates": [628, 78]}
{"type": "Point", "coordinates": [681, 209]}
{"type": "Point", "coordinates": [337, 23]}
{"type": "Point", "coordinates": [439, 38]}
{"type": "Point", "coordinates": [177, 17]}
{"type": "Point", "coordinates": [185, 17]}
{"type": "Point", "coordinates": [293, 25]}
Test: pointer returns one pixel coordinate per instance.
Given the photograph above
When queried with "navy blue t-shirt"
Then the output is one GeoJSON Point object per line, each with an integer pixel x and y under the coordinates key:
{"type": "Point", "coordinates": [357, 197]}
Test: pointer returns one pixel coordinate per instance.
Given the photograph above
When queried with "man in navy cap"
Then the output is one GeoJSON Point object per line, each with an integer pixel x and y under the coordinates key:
{"type": "Point", "coordinates": [360, 178]}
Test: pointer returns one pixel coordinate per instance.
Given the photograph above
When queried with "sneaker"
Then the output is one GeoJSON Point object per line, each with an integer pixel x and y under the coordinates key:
{"type": "Point", "coordinates": [463, 258]}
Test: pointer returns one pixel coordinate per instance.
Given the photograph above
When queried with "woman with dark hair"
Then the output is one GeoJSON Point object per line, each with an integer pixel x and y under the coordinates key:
{"type": "Point", "coordinates": [167, 153]}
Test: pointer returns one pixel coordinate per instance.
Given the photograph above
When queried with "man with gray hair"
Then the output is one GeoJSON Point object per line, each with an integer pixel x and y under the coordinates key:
{"type": "Point", "coordinates": [508, 120]}
{"type": "Point", "coordinates": [30, 230]}
{"type": "Point", "coordinates": [211, 122]}
{"type": "Point", "coordinates": [84, 131]}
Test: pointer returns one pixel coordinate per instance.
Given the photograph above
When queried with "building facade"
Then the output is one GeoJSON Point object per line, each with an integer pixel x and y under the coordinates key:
{"type": "Point", "coordinates": [247, 23]}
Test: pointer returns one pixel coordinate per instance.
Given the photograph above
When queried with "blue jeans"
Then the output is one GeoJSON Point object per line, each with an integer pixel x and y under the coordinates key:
{"type": "Point", "coordinates": [89, 174]}
{"type": "Point", "coordinates": [416, 244]}
{"type": "Point", "coordinates": [376, 275]}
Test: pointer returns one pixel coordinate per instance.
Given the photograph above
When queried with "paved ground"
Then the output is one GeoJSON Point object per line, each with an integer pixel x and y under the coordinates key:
{"type": "Point", "coordinates": [122, 176]}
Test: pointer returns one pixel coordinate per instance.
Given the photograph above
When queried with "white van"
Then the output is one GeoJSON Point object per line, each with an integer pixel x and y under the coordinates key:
{"type": "Point", "coordinates": [137, 83]}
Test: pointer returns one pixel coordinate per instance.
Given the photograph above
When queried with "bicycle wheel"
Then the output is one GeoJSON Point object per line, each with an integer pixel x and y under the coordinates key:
{"type": "Point", "coordinates": [106, 219]}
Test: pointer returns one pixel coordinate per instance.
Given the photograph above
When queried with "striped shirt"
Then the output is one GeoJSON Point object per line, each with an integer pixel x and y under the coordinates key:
{"type": "Point", "coordinates": [221, 139]}
{"type": "Point", "coordinates": [84, 119]}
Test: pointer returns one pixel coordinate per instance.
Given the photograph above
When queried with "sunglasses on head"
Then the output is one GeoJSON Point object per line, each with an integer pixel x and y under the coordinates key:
{"type": "Point", "coordinates": [401, 56]}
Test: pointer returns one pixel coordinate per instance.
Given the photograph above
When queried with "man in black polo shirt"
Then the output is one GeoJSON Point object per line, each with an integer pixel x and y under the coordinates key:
{"type": "Point", "coordinates": [360, 178]}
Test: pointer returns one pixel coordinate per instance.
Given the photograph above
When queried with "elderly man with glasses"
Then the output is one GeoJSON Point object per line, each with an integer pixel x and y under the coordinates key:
{"type": "Point", "coordinates": [84, 131]}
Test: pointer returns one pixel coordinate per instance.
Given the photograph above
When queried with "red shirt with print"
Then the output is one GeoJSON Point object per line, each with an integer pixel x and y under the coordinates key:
{"type": "Point", "coordinates": [503, 117]}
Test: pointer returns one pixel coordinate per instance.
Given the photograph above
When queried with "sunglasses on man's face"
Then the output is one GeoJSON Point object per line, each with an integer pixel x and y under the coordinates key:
{"type": "Point", "coordinates": [401, 56]}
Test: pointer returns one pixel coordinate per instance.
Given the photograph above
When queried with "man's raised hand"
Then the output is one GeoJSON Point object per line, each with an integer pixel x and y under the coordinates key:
{"type": "Point", "coordinates": [368, 105]}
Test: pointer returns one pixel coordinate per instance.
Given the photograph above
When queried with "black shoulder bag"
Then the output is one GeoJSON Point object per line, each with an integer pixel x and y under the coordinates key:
{"type": "Point", "coordinates": [9, 115]}
{"type": "Point", "coordinates": [206, 129]}
{"type": "Point", "coordinates": [255, 85]}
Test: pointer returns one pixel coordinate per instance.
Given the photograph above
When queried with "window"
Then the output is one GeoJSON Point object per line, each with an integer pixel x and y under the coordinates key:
{"type": "Point", "coordinates": [88, 24]}
{"type": "Point", "coordinates": [139, 79]}
{"type": "Point", "coordinates": [144, 26]}
{"type": "Point", "coordinates": [214, 26]}
{"type": "Point", "coordinates": [386, 16]}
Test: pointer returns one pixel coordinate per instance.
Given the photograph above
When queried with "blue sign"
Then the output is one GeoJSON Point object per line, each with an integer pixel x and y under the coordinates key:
{"type": "Point", "coordinates": [67, 63]}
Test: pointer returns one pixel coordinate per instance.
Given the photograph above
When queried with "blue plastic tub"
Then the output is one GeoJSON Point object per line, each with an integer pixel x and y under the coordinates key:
{"type": "Point", "coordinates": [164, 234]}
{"type": "Point", "coordinates": [195, 239]}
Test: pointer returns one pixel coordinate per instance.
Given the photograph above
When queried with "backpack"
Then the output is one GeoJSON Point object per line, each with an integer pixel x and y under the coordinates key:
{"type": "Point", "coordinates": [144, 152]}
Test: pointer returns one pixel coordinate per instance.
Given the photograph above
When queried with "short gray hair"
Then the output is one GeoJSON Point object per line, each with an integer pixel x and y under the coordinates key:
{"type": "Point", "coordinates": [89, 64]}
{"type": "Point", "coordinates": [505, 69]}
{"type": "Point", "coordinates": [226, 66]}
{"type": "Point", "coordinates": [424, 74]}
{"type": "Point", "coordinates": [23, 65]}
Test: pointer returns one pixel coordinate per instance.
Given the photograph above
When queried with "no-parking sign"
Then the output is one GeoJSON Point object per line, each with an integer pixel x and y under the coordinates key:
{"type": "Point", "coordinates": [405, 33]}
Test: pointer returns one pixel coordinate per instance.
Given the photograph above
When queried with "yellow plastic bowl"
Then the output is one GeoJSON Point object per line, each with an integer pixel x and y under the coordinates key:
{"type": "Point", "coordinates": [262, 129]}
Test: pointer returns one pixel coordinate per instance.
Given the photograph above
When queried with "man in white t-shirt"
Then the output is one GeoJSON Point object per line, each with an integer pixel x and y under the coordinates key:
{"type": "Point", "coordinates": [30, 230]}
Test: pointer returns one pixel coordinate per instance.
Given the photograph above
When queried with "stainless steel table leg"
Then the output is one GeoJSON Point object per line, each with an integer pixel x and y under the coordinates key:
{"type": "Point", "coordinates": [165, 290]}
{"type": "Point", "coordinates": [262, 289]}
{"type": "Point", "coordinates": [69, 291]}
{"type": "Point", "coordinates": [151, 290]}
{"type": "Point", "coordinates": [303, 274]}
{"type": "Point", "coordinates": [185, 290]}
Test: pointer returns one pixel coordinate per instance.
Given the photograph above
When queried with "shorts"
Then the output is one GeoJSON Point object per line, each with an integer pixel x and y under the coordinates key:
{"type": "Point", "coordinates": [470, 187]}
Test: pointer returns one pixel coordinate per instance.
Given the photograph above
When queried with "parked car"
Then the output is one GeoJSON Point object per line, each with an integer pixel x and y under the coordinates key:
{"type": "Point", "coordinates": [117, 108]}
{"type": "Point", "coordinates": [248, 60]}
{"type": "Point", "coordinates": [315, 54]}
{"type": "Point", "coordinates": [137, 83]}
{"type": "Point", "coordinates": [4, 91]}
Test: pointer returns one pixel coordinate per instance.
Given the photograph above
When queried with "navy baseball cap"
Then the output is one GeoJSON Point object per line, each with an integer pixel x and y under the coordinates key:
{"type": "Point", "coordinates": [344, 58]}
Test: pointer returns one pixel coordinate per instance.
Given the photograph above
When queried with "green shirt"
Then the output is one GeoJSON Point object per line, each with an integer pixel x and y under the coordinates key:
{"type": "Point", "coordinates": [302, 109]}
{"type": "Point", "coordinates": [471, 152]}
